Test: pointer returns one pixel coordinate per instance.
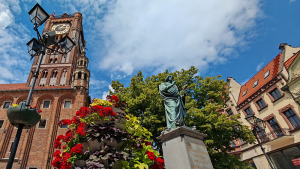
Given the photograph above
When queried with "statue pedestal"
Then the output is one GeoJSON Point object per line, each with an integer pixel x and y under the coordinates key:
{"type": "Point", "coordinates": [183, 148]}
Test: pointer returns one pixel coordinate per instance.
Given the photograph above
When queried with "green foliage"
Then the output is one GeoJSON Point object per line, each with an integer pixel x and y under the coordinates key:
{"type": "Point", "coordinates": [204, 97]}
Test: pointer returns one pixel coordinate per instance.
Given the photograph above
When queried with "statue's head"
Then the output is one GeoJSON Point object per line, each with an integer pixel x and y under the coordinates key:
{"type": "Point", "coordinates": [169, 78]}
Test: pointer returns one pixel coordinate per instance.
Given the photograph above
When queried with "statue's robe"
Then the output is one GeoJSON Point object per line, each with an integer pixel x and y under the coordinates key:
{"type": "Point", "coordinates": [174, 105]}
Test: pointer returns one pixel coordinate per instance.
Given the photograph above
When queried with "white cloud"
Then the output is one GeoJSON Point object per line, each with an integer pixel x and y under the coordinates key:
{"type": "Point", "coordinates": [104, 94]}
{"type": "Point", "coordinates": [259, 66]}
{"type": "Point", "coordinates": [170, 34]}
{"type": "Point", "coordinates": [14, 58]}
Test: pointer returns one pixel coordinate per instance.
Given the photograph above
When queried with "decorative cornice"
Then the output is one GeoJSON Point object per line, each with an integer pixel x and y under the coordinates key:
{"type": "Point", "coordinates": [181, 131]}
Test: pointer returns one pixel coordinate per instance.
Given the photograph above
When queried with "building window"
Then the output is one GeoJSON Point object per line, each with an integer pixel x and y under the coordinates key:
{"type": "Point", "coordinates": [242, 141]}
{"type": "Point", "coordinates": [276, 129]}
{"type": "Point", "coordinates": [248, 111]}
{"type": "Point", "coordinates": [46, 104]}
{"type": "Point", "coordinates": [255, 83]}
{"type": "Point", "coordinates": [1, 123]}
{"type": "Point", "coordinates": [232, 143]}
{"type": "Point", "coordinates": [261, 103]}
{"type": "Point", "coordinates": [293, 118]}
{"type": "Point", "coordinates": [267, 74]}
{"type": "Point", "coordinates": [67, 104]}
{"type": "Point", "coordinates": [275, 94]}
{"type": "Point", "coordinates": [229, 112]}
{"type": "Point", "coordinates": [245, 92]}
{"type": "Point", "coordinates": [42, 124]}
{"type": "Point", "coordinates": [79, 75]}
{"type": "Point", "coordinates": [6, 105]}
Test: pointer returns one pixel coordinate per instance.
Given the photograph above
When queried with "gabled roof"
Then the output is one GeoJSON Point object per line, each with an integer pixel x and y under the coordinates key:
{"type": "Point", "coordinates": [22, 86]}
{"type": "Point", "coordinates": [272, 66]}
{"type": "Point", "coordinates": [290, 60]}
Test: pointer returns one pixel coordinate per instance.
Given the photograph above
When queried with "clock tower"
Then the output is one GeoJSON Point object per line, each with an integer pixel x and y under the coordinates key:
{"type": "Point", "coordinates": [62, 87]}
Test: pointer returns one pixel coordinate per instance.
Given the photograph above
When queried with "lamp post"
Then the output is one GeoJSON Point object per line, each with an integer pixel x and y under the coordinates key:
{"type": "Point", "coordinates": [22, 116]}
{"type": "Point", "coordinates": [260, 125]}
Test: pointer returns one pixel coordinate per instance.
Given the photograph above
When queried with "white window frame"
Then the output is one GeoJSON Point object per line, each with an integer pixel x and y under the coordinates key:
{"type": "Point", "coordinates": [4, 104]}
{"type": "Point", "coordinates": [245, 92]}
{"type": "Point", "coordinates": [65, 103]}
{"type": "Point", "coordinates": [44, 103]}
{"type": "Point", "coordinates": [2, 124]}
{"type": "Point", "coordinates": [255, 83]}
{"type": "Point", "coordinates": [267, 74]}
{"type": "Point", "coordinates": [39, 124]}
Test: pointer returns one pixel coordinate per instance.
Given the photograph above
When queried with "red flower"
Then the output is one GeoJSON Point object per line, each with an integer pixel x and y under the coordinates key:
{"type": "Point", "coordinates": [77, 149]}
{"type": "Point", "coordinates": [56, 154]}
{"type": "Point", "coordinates": [96, 108]}
{"type": "Point", "coordinates": [151, 155]}
{"type": "Point", "coordinates": [64, 146]}
{"type": "Point", "coordinates": [148, 143]}
{"type": "Point", "coordinates": [57, 142]}
{"type": "Point", "coordinates": [80, 130]}
{"type": "Point", "coordinates": [114, 99]}
{"type": "Point", "coordinates": [56, 162]}
{"type": "Point", "coordinates": [161, 162]}
{"type": "Point", "coordinates": [68, 137]}
{"type": "Point", "coordinates": [75, 120]}
{"type": "Point", "coordinates": [108, 111]}
{"type": "Point", "coordinates": [39, 111]}
{"type": "Point", "coordinates": [64, 122]}
{"type": "Point", "coordinates": [66, 165]}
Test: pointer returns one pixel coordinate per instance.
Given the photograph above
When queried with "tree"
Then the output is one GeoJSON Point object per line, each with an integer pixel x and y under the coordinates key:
{"type": "Point", "coordinates": [205, 96]}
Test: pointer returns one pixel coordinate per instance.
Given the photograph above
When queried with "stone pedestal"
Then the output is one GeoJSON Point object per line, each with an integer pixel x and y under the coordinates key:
{"type": "Point", "coordinates": [183, 148]}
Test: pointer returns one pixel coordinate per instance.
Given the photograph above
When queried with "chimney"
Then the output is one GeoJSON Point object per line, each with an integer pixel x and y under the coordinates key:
{"type": "Point", "coordinates": [282, 46]}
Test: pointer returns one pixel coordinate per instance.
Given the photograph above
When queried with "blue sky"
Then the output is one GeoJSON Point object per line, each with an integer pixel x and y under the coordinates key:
{"type": "Point", "coordinates": [230, 38]}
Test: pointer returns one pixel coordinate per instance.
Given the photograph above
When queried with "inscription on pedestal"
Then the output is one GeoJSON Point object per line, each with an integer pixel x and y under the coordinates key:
{"type": "Point", "coordinates": [197, 153]}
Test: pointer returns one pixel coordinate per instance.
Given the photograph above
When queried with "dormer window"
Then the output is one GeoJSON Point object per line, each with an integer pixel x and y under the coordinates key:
{"type": "Point", "coordinates": [267, 74]}
{"type": "Point", "coordinates": [245, 92]}
{"type": "Point", "coordinates": [255, 83]}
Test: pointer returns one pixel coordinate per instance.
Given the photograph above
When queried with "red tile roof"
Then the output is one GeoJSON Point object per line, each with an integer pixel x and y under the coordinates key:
{"type": "Point", "coordinates": [290, 60]}
{"type": "Point", "coordinates": [273, 66]}
{"type": "Point", "coordinates": [22, 86]}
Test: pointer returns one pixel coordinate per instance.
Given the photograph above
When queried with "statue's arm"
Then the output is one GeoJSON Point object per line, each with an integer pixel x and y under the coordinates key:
{"type": "Point", "coordinates": [166, 86]}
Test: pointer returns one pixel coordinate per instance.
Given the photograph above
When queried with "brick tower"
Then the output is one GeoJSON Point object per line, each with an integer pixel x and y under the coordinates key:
{"type": "Point", "coordinates": [62, 87]}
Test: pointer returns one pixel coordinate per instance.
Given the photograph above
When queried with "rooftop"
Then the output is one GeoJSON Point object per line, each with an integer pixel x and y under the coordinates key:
{"type": "Point", "coordinates": [262, 77]}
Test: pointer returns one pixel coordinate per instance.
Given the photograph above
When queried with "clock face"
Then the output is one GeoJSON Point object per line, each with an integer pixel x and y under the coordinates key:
{"type": "Point", "coordinates": [61, 28]}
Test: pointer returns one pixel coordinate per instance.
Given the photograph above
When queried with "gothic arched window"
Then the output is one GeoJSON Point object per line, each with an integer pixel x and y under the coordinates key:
{"type": "Point", "coordinates": [45, 74]}
{"type": "Point", "coordinates": [79, 75]}
{"type": "Point", "coordinates": [85, 76]}
{"type": "Point", "coordinates": [54, 73]}
{"type": "Point", "coordinates": [81, 63]}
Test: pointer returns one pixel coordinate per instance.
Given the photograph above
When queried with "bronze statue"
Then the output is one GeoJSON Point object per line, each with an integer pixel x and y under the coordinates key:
{"type": "Point", "coordinates": [173, 102]}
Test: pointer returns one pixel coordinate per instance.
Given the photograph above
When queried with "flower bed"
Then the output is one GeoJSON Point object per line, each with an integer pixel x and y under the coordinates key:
{"type": "Point", "coordinates": [103, 136]}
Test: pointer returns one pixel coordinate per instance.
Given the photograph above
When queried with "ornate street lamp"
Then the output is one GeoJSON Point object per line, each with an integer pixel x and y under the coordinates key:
{"type": "Point", "coordinates": [251, 119]}
{"type": "Point", "coordinates": [237, 127]}
{"type": "Point", "coordinates": [261, 125]}
{"type": "Point", "coordinates": [38, 15]}
{"type": "Point", "coordinates": [66, 44]}
{"type": "Point", "coordinates": [22, 116]}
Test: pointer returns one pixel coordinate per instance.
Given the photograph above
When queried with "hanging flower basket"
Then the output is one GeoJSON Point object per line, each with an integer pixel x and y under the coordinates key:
{"type": "Point", "coordinates": [21, 115]}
